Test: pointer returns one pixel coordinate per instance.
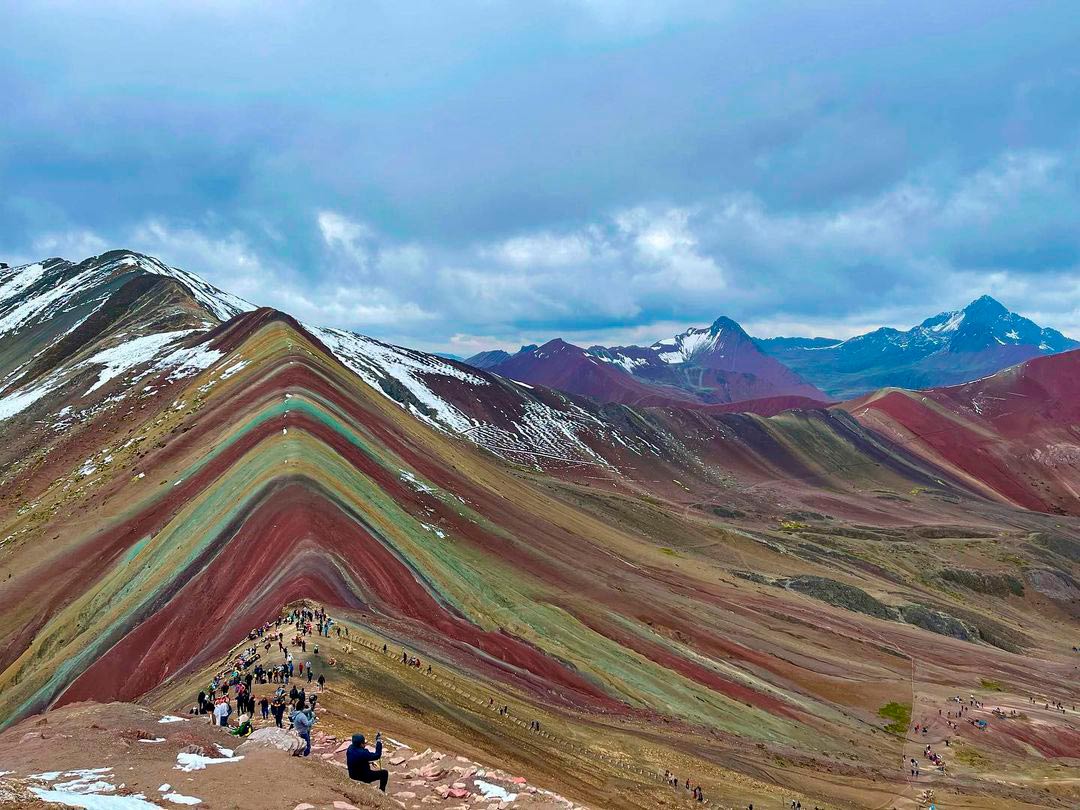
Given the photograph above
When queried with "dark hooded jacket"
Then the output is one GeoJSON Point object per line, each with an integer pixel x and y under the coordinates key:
{"type": "Point", "coordinates": [359, 759]}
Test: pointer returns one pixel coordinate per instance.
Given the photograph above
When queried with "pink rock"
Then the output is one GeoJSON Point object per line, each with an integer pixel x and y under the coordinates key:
{"type": "Point", "coordinates": [457, 793]}
{"type": "Point", "coordinates": [343, 747]}
{"type": "Point", "coordinates": [304, 806]}
{"type": "Point", "coordinates": [405, 794]}
{"type": "Point", "coordinates": [459, 785]}
{"type": "Point", "coordinates": [345, 806]}
{"type": "Point", "coordinates": [397, 761]}
{"type": "Point", "coordinates": [519, 780]}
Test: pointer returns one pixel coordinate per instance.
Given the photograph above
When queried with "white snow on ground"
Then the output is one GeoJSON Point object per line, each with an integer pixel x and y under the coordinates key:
{"type": "Point", "coordinates": [189, 361]}
{"type": "Point", "coordinates": [169, 718]}
{"type": "Point", "coordinates": [54, 298]}
{"type": "Point", "coordinates": [415, 482]}
{"type": "Point", "coordinates": [951, 324]}
{"type": "Point", "coordinates": [155, 740]}
{"type": "Point", "coordinates": [540, 435]}
{"type": "Point", "coordinates": [233, 369]}
{"type": "Point", "coordinates": [372, 361]}
{"type": "Point", "coordinates": [86, 790]}
{"type": "Point", "coordinates": [130, 354]}
{"type": "Point", "coordinates": [21, 400]}
{"type": "Point", "coordinates": [491, 791]}
{"type": "Point", "coordinates": [95, 802]}
{"type": "Point", "coordinates": [683, 346]}
{"type": "Point", "coordinates": [120, 359]}
{"type": "Point", "coordinates": [628, 364]}
{"type": "Point", "coordinates": [179, 798]}
{"type": "Point", "coordinates": [196, 762]}
{"type": "Point", "coordinates": [223, 305]}
{"type": "Point", "coordinates": [16, 279]}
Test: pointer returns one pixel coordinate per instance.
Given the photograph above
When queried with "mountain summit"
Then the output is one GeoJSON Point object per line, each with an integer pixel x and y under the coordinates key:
{"type": "Point", "coordinates": [946, 349]}
{"type": "Point", "coordinates": [714, 365]}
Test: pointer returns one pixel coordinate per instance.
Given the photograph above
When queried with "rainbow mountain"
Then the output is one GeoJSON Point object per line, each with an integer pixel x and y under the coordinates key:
{"type": "Point", "coordinates": [764, 602]}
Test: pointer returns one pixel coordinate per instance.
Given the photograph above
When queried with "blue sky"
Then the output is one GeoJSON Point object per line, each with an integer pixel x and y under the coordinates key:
{"type": "Point", "coordinates": [458, 176]}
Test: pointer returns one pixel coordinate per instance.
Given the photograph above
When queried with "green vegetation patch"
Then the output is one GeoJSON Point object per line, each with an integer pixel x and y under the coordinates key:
{"type": "Point", "coordinates": [840, 594]}
{"type": "Point", "coordinates": [1000, 585]}
{"type": "Point", "coordinates": [969, 756]}
{"type": "Point", "coordinates": [993, 686]}
{"type": "Point", "coordinates": [899, 714]}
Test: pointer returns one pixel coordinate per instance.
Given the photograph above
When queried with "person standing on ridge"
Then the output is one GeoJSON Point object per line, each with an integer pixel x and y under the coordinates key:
{"type": "Point", "coordinates": [302, 720]}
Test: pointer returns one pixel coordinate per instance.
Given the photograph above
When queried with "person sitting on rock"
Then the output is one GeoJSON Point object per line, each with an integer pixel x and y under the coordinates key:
{"type": "Point", "coordinates": [359, 760]}
{"type": "Point", "coordinates": [243, 727]}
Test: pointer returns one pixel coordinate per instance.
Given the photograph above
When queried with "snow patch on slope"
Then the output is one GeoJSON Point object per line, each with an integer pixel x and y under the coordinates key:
{"type": "Point", "coordinates": [538, 435]}
{"type": "Point", "coordinates": [135, 352]}
{"type": "Point", "coordinates": [18, 312]}
{"type": "Point", "coordinates": [374, 361]}
{"type": "Point", "coordinates": [221, 304]}
{"type": "Point", "coordinates": [626, 363]}
{"type": "Point", "coordinates": [19, 401]}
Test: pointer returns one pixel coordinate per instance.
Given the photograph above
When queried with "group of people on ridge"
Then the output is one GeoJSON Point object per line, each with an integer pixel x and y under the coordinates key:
{"type": "Point", "coordinates": [235, 683]}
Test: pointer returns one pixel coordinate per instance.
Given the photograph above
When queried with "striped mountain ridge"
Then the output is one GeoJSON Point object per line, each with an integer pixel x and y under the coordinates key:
{"type": "Point", "coordinates": [661, 584]}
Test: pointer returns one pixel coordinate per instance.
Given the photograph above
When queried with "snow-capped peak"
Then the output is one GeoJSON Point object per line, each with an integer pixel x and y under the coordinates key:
{"type": "Point", "coordinates": [950, 324]}
{"type": "Point", "coordinates": [698, 340]}
{"type": "Point", "coordinates": [222, 305]}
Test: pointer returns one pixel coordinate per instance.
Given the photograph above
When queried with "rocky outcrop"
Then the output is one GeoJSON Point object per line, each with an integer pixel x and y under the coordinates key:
{"type": "Point", "coordinates": [840, 594]}
{"type": "Point", "coordinates": [937, 621]}
{"type": "Point", "coordinates": [272, 739]}
{"type": "Point", "coordinates": [1000, 585]}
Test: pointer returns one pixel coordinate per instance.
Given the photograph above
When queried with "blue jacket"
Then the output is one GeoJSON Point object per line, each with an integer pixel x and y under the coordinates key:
{"type": "Point", "coordinates": [302, 722]}
{"type": "Point", "coordinates": [359, 759]}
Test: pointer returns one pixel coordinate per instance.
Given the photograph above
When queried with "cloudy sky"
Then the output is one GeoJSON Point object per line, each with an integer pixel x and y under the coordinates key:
{"type": "Point", "coordinates": [459, 176]}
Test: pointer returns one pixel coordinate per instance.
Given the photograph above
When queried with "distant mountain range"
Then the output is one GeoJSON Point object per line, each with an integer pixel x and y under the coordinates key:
{"type": "Point", "coordinates": [947, 349]}
{"type": "Point", "coordinates": [714, 365]}
{"type": "Point", "coordinates": [722, 364]}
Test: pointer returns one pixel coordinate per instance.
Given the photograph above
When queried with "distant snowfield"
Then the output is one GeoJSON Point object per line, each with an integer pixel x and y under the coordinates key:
{"type": "Point", "coordinates": [32, 294]}
{"type": "Point", "coordinates": [135, 352]}
{"type": "Point", "coordinates": [527, 431]}
{"type": "Point", "coordinates": [537, 434]}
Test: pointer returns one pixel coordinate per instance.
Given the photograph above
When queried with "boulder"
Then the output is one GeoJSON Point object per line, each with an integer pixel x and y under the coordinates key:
{"type": "Point", "coordinates": [273, 739]}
